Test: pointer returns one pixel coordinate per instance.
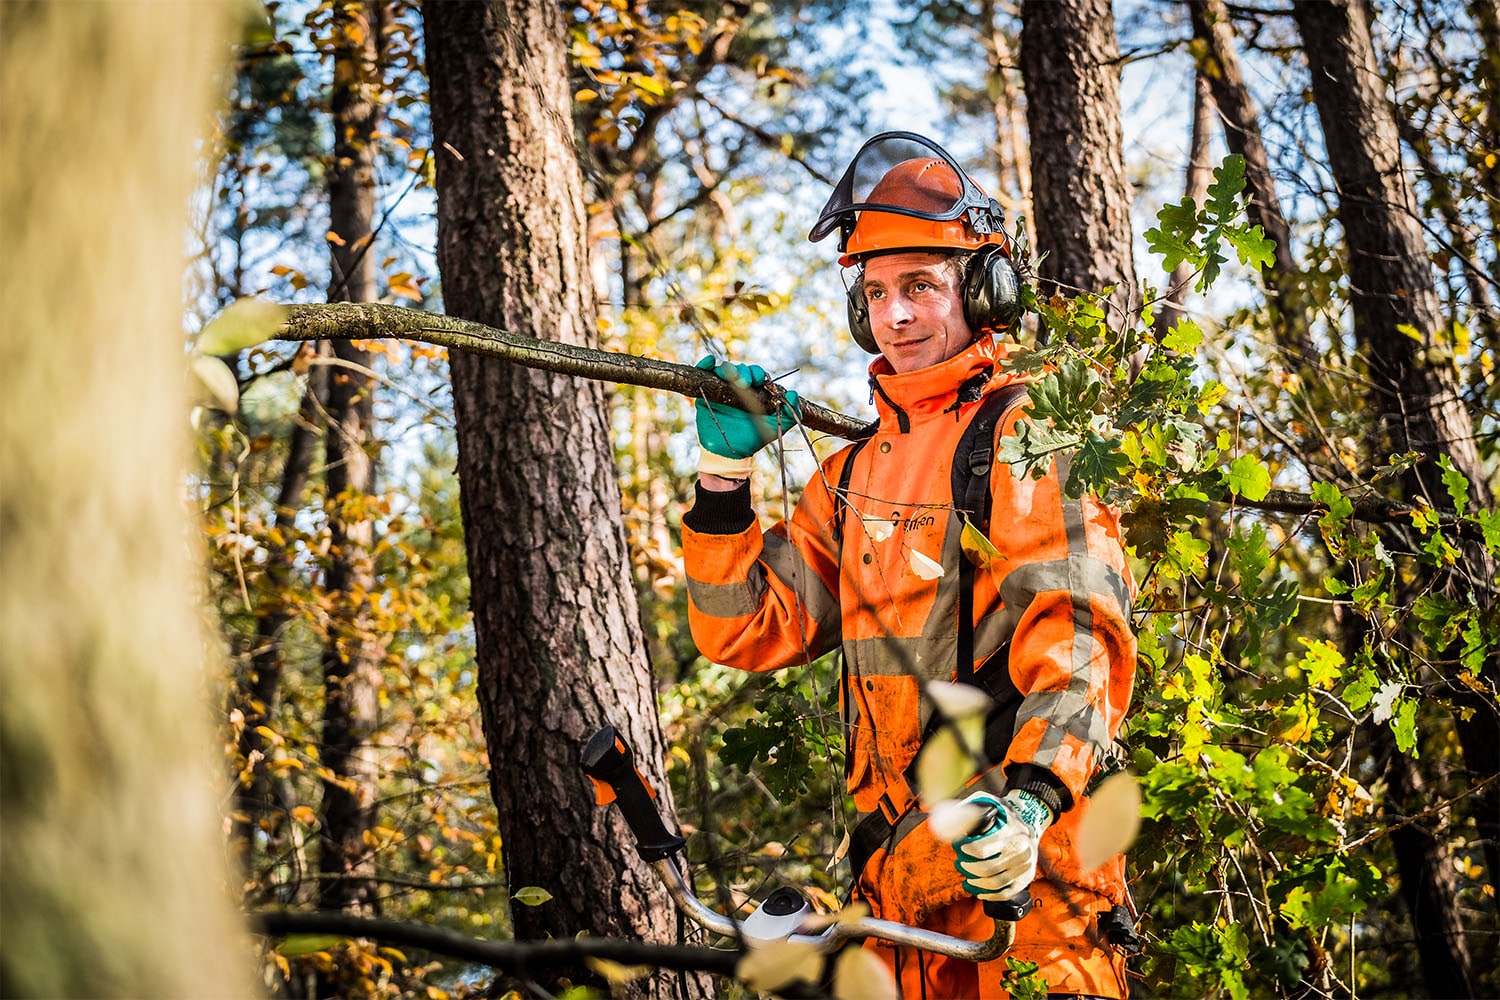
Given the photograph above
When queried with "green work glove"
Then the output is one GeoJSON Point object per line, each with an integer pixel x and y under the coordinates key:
{"type": "Point", "coordinates": [1000, 860]}
{"type": "Point", "coordinates": [731, 434]}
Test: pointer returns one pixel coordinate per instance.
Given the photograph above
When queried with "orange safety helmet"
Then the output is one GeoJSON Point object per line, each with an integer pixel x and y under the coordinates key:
{"type": "Point", "coordinates": [904, 192]}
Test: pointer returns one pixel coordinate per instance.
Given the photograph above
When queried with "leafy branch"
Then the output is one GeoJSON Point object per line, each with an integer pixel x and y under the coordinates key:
{"type": "Point", "coordinates": [373, 321]}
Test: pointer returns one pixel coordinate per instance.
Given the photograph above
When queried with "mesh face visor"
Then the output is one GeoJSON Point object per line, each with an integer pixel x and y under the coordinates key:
{"type": "Point", "coordinates": [903, 173]}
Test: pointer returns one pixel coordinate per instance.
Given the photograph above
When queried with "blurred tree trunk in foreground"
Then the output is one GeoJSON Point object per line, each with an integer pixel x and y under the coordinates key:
{"type": "Point", "coordinates": [112, 859]}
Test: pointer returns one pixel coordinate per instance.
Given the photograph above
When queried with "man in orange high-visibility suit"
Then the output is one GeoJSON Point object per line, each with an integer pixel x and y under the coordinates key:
{"type": "Point", "coordinates": [872, 561]}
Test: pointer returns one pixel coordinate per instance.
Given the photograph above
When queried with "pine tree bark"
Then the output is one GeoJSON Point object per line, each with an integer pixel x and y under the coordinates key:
{"type": "Point", "coordinates": [111, 853]}
{"type": "Point", "coordinates": [353, 654]}
{"type": "Point", "coordinates": [1415, 398]}
{"type": "Point", "coordinates": [1070, 62]}
{"type": "Point", "coordinates": [559, 640]}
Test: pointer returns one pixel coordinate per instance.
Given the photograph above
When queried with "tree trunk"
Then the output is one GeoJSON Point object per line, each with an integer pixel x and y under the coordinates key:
{"type": "Point", "coordinates": [1427, 883]}
{"type": "Point", "coordinates": [352, 658]}
{"type": "Point", "coordinates": [1396, 318]}
{"type": "Point", "coordinates": [1195, 186]}
{"type": "Point", "coordinates": [1070, 62]}
{"type": "Point", "coordinates": [1290, 306]}
{"type": "Point", "coordinates": [111, 855]}
{"type": "Point", "coordinates": [559, 640]}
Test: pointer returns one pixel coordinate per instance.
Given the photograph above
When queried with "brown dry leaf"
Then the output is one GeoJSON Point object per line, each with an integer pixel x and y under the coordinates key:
{"type": "Point", "coordinates": [1111, 818]}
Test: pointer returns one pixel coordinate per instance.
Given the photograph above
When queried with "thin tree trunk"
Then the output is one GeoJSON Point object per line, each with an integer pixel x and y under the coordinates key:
{"type": "Point", "coordinates": [111, 852]}
{"type": "Point", "coordinates": [1427, 882]}
{"type": "Point", "coordinates": [558, 633]}
{"type": "Point", "coordinates": [1290, 306]}
{"type": "Point", "coordinates": [354, 653]}
{"type": "Point", "coordinates": [1011, 153]}
{"type": "Point", "coordinates": [1070, 61]}
{"type": "Point", "coordinates": [259, 688]}
{"type": "Point", "coordinates": [1195, 186]}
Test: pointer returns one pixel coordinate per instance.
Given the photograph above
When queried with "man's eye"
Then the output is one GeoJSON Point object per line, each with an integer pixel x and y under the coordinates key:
{"type": "Point", "coordinates": [920, 286]}
{"type": "Point", "coordinates": [874, 293]}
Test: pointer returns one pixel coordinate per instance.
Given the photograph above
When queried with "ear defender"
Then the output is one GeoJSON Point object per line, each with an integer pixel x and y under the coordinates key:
{"type": "Point", "coordinates": [991, 298]}
{"type": "Point", "coordinates": [858, 309]}
{"type": "Point", "coordinates": [992, 292]}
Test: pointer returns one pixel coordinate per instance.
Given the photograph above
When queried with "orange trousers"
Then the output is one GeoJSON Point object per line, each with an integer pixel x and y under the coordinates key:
{"type": "Point", "coordinates": [1060, 934]}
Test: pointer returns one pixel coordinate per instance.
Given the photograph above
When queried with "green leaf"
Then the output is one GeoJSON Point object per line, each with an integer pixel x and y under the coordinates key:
{"type": "Point", "coordinates": [1323, 663]}
{"type": "Point", "coordinates": [1333, 498]}
{"type": "Point", "coordinates": [1251, 245]}
{"type": "Point", "coordinates": [1457, 484]}
{"type": "Point", "coordinates": [307, 944]}
{"type": "Point", "coordinates": [1249, 477]}
{"type": "Point", "coordinates": [1404, 725]}
{"type": "Point", "coordinates": [1224, 193]}
{"type": "Point", "coordinates": [245, 323]}
{"type": "Point", "coordinates": [1183, 338]}
{"type": "Point", "coordinates": [1489, 524]}
{"type": "Point", "coordinates": [1097, 466]}
{"type": "Point", "coordinates": [532, 895]}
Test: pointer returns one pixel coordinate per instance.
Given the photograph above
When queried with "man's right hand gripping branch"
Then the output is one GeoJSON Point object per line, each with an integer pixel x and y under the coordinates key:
{"type": "Point", "coordinates": [730, 436]}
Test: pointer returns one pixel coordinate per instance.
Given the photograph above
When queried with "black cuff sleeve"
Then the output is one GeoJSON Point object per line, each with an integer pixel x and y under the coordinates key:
{"type": "Point", "coordinates": [715, 513]}
{"type": "Point", "coordinates": [1043, 784]}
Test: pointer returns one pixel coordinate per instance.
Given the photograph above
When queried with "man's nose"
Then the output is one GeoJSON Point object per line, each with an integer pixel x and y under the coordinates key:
{"type": "Point", "coordinates": [898, 311]}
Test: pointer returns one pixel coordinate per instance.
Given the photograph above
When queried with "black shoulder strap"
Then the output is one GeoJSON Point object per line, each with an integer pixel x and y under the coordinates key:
{"type": "Point", "coordinates": [972, 461]}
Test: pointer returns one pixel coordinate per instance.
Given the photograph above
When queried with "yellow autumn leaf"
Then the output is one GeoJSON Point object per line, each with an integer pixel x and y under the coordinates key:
{"type": "Point", "coordinates": [771, 965]}
{"type": "Point", "coordinates": [1110, 820]}
{"type": "Point", "coordinates": [977, 546]}
{"type": "Point", "coordinates": [532, 895]}
{"type": "Point", "coordinates": [859, 975]}
{"type": "Point", "coordinates": [615, 973]}
{"type": "Point", "coordinates": [304, 815]}
{"type": "Point", "coordinates": [944, 766]}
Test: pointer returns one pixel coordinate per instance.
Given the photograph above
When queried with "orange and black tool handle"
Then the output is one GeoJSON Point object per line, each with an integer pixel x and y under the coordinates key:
{"type": "Point", "coordinates": [1017, 906]}
{"type": "Point", "coordinates": [608, 761]}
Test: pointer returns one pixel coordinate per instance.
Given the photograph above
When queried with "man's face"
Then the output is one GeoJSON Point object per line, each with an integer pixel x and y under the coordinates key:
{"type": "Point", "coordinates": [916, 309]}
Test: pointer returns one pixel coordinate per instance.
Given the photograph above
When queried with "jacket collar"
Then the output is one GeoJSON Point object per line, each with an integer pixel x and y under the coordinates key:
{"type": "Point", "coordinates": [941, 388]}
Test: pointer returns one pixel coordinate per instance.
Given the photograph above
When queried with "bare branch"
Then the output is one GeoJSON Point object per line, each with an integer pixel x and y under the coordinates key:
{"type": "Point", "coordinates": [513, 956]}
{"type": "Point", "coordinates": [371, 321]}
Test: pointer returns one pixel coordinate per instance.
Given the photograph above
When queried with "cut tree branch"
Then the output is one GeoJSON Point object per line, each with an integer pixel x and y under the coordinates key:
{"type": "Point", "coordinates": [374, 321]}
{"type": "Point", "coordinates": [371, 321]}
{"type": "Point", "coordinates": [511, 956]}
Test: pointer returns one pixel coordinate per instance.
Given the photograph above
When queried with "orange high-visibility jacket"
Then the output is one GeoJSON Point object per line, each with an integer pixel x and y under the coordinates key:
{"type": "Point", "coordinates": [879, 575]}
